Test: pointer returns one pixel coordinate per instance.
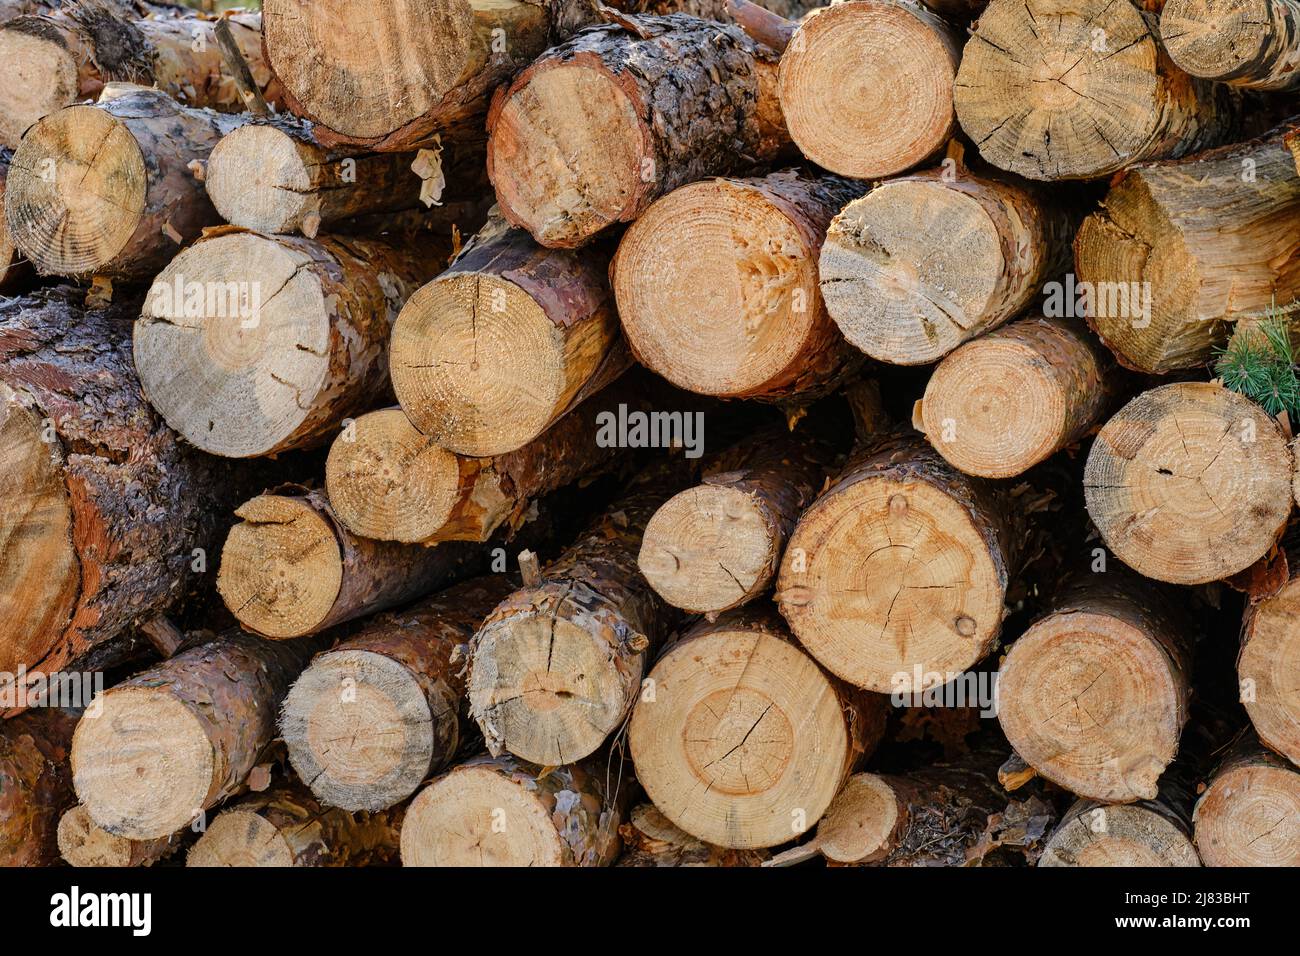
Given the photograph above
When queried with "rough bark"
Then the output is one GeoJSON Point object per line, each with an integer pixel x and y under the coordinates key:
{"type": "Point", "coordinates": [1180, 248]}
{"type": "Point", "coordinates": [35, 786]}
{"type": "Point", "coordinates": [374, 716]}
{"type": "Point", "coordinates": [1270, 655]}
{"type": "Point", "coordinates": [506, 312]}
{"type": "Point", "coordinates": [1253, 44]}
{"type": "Point", "coordinates": [889, 616]}
{"type": "Point", "coordinates": [676, 101]}
{"type": "Point", "coordinates": [1010, 399]}
{"type": "Point", "coordinates": [84, 843]}
{"type": "Point", "coordinates": [174, 741]}
{"type": "Point", "coordinates": [651, 839]}
{"type": "Point", "coordinates": [108, 189]}
{"type": "Point", "coordinates": [762, 330]}
{"type": "Point", "coordinates": [1189, 483]}
{"type": "Point", "coordinates": [500, 811]}
{"type": "Point", "coordinates": [1249, 815]}
{"type": "Point", "coordinates": [1084, 98]}
{"type": "Point", "coordinates": [253, 345]}
{"type": "Point", "coordinates": [741, 739]}
{"type": "Point", "coordinates": [925, 262]}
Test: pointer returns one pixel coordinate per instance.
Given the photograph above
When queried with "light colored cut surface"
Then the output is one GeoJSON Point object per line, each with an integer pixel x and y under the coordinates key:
{"type": "Point", "coordinates": [1250, 816]}
{"type": "Point", "coordinates": [1118, 836]}
{"type": "Point", "coordinates": [1268, 669]}
{"type": "Point", "coordinates": [258, 177]}
{"type": "Point", "coordinates": [241, 838]}
{"type": "Point", "coordinates": [1250, 43]}
{"type": "Point", "coordinates": [42, 77]}
{"type": "Point", "coordinates": [860, 821]}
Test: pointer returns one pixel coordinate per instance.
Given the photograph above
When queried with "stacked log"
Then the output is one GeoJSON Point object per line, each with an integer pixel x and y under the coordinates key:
{"type": "Point", "coordinates": [1147, 834]}
{"type": "Point", "coordinates": [84, 843]}
{"type": "Point", "coordinates": [1249, 815]}
{"type": "Point", "coordinates": [35, 785]}
{"type": "Point", "coordinates": [1253, 44]}
{"type": "Point", "coordinates": [1268, 655]}
{"type": "Point", "coordinates": [11, 265]}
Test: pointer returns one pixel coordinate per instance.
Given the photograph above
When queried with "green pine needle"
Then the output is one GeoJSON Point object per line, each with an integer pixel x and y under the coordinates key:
{"type": "Point", "coordinates": [1263, 368]}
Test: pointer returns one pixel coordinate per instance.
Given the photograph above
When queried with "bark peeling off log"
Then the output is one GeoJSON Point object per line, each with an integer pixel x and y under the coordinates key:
{"type": "Point", "coordinates": [35, 786]}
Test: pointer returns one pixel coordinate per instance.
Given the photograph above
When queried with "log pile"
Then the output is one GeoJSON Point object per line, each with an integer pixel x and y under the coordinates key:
{"type": "Point", "coordinates": [658, 433]}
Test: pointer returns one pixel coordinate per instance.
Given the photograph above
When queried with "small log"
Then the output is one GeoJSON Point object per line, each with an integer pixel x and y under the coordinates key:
{"type": "Point", "coordinates": [741, 739]}
{"type": "Point", "coordinates": [761, 329]}
{"type": "Point", "coordinates": [506, 312]}
{"type": "Point", "coordinates": [499, 811]}
{"type": "Point", "coordinates": [1189, 483]}
{"type": "Point", "coordinates": [1266, 663]}
{"type": "Point", "coordinates": [1039, 101]}
{"type": "Point", "coordinates": [651, 839]}
{"type": "Point", "coordinates": [84, 843]}
{"type": "Point", "coordinates": [374, 716]}
{"type": "Point", "coordinates": [925, 262]}
{"type": "Point", "coordinates": [1147, 834]}
{"type": "Point", "coordinates": [1249, 815]}
{"type": "Point", "coordinates": [253, 345]}
{"type": "Point", "coordinates": [1254, 44]}
{"type": "Point", "coordinates": [35, 786]}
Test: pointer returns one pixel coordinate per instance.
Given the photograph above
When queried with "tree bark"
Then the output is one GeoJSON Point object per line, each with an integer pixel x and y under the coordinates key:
{"type": "Point", "coordinates": [1094, 695]}
{"type": "Point", "coordinates": [1270, 651]}
{"type": "Point", "coordinates": [651, 839]}
{"type": "Point", "coordinates": [1250, 813]}
{"type": "Point", "coordinates": [1189, 483]}
{"type": "Point", "coordinates": [374, 716]}
{"type": "Point", "coordinates": [35, 786]}
{"type": "Point", "coordinates": [762, 331]}
{"type": "Point", "coordinates": [1038, 102]}
{"type": "Point", "coordinates": [287, 826]}
{"type": "Point", "coordinates": [1012, 398]}
{"type": "Point", "coordinates": [1179, 248]}
{"type": "Point", "coordinates": [252, 345]}
{"type": "Point", "coordinates": [500, 811]}
{"type": "Point", "coordinates": [1152, 833]}
{"type": "Point", "coordinates": [676, 101]}
{"type": "Point", "coordinates": [1253, 44]}
{"type": "Point", "coordinates": [109, 189]}
{"type": "Point", "coordinates": [84, 843]}
{"type": "Point", "coordinates": [718, 544]}
{"type": "Point", "coordinates": [506, 312]}
{"type": "Point", "coordinates": [174, 741]}
{"type": "Point", "coordinates": [893, 617]}
{"type": "Point", "coordinates": [925, 262]}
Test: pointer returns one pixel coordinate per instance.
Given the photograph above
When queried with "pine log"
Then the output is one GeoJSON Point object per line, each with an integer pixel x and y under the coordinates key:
{"type": "Point", "coordinates": [1189, 483]}
{"type": "Point", "coordinates": [1147, 834]}
{"type": "Point", "coordinates": [895, 578]}
{"type": "Point", "coordinates": [103, 510]}
{"type": "Point", "coordinates": [718, 544]}
{"type": "Point", "coordinates": [174, 741]}
{"type": "Point", "coordinates": [1095, 694]}
{"type": "Point", "coordinates": [556, 667]}
{"type": "Point", "coordinates": [506, 313]}
{"type": "Point", "coordinates": [1084, 96]}
{"type": "Point", "coordinates": [374, 716]}
{"type": "Point", "coordinates": [286, 826]}
{"type": "Point", "coordinates": [1179, 248]}
{"type": "Point", "coordinates": [253, 345]}
{"type": "Point", "coordinates": [84, 843]}
{"type": "Point", "coordinates": [35, 786]}
{"type": "Point", "coordinates": [12, 267]}
{"type": "Point", "coordinates": [1248, 43]}
{"type": "Point", "coordinates": [289, 568]}
{"type": "Point", "coordinates": [925, 262]}
{"type": "Point", "coordinates": [499, 811]}
{"type": "Point", "coordinates": [1006, 401]}
{"type": "Point", "coordinates": [679, 100]}
{"type": "Point", "coordinates": [107, 189]}
{"type": "Point", "coordinates": [741, 739]}
{"type": "Point", "coordinates": [1269, 659]}
{"type": "Point", "coordinates": [651, 839]}
{"type": "Point", "coordinates": [717, 290]}
{"type": "Point", "coordinates": [1250, 813]}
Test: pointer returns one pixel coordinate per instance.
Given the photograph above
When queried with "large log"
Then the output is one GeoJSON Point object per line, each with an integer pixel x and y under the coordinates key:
{"type": "Point", "coordinates": [1178, 248]}
{"type": "Point", "coordinates": [1253, 44]}
{"type": "Point", "coordinates": [370, 719]}
{"type": "Point", "coordinates": [741, 739]}
{"type": "Point", "coordinates": [718, 544]}
{"type": "Point", "coordinates": [286, 826]}
{"type": "Point", "coordinates": [499, 811]}
{"type": "Point", "coordinates": [103, 510]}
{"type": "Point", "coordinates": [253, 345]}
{"type": "Point", "coordinates": [678, 100]}
{"type": "Point", "coordinates": [84, 843]}
{"type": "Point", "coordinates": [1084, 98]}
{"type": "Point", "coordinates": [1249, 815]}
{"type": "Point", "coordinates": [895, 578]}
{"type": "Point", "coordinates": [1152, 833]}
{"type": "Point", "coordinates": [174, 741]}
{"type": "Point", "coordinates": [1189, 483]}
{"type": "Point", "coordinates": [35, 786]}
{"type": "Point", "coordinates": [108, 189]}
{"type": "Point", "coordinates": [925, 262]}
{"type": "Point", "coordinates": [507, 312]}
{"type": "Point", "coordinates": [717, 290]}
{"type": "Point", "coordinates": [1095, 694]}
{"type": "Point", "coordinates": [1269, 657]}
{"type": "Point", "coordinates": [65, 56]}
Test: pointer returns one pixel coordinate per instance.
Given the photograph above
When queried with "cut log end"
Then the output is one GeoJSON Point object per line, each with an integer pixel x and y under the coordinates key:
{"type": "Point", "coordinates": [33, 51]}
{"type": "Point", "coordinates": [389, 482]}
{"type": "Point", "coordinates": [1266, 669]}
{"type": "Point", "coordinates": [1119, 836]}
{"type": "Point", "coordinates": [84, 843]}
{"type": "Point", "coordinates": [76, 191]}
{"type": "Point", "coordinates": [281, 567]}
{"type": "Point", "coordinates": [241, 838]}
{"type": "Point", "coordinates": [706, 548]}
{"type": "Point", "coordinates": [1217, 39]}
{"type": "Point", "coordinates": [143, 767]}
{"type": "Point", "coordinates": [259, 178]}
{"type": "Point", "coordinates": [1250, 816]}
{"type": "Point", "coordinates": [359, 730]}
{"type": "Point", "coordinates": [859, 824]}
{"type": "Point", "coordinates": [1189, 483]}
{"type": "Point", "coordinates": [866, 88]}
